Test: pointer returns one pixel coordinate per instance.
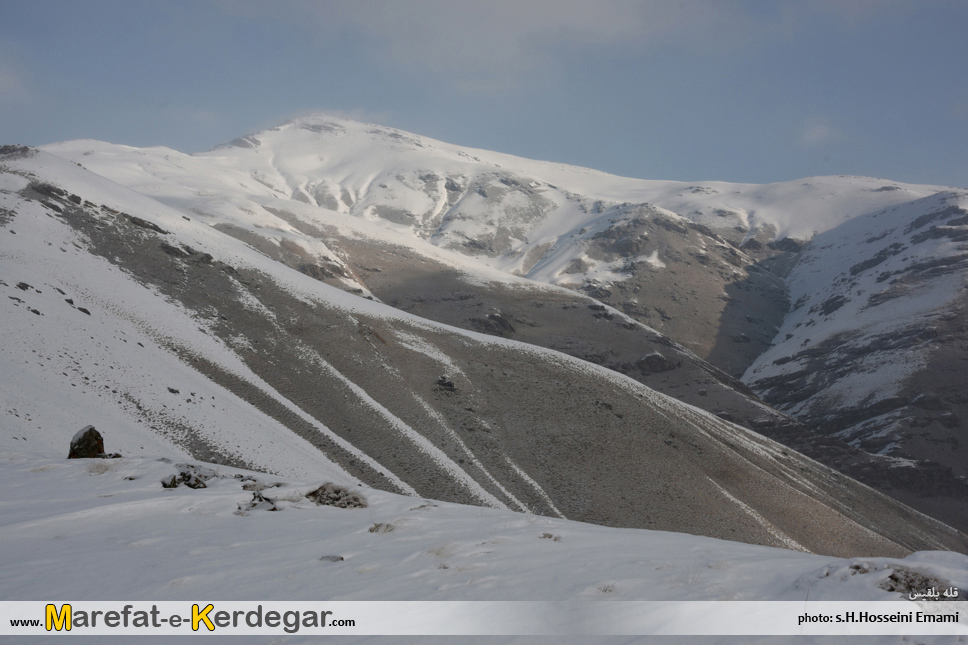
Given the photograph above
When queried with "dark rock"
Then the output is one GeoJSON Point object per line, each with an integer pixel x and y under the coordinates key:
{"type": "Point", "coordinates": [86, 444]}
{"type": "Point", "coordinates": [629, 245]}
{"type": "Point", "coordinates": [671, 225]}
{"type": "Point", "coordinates": [174, 251]}
{"type": "Point", "coordinates": [14, 150]}
{"type": "Point", "coordinates": [907, 581]}
{"type": "Point", "coordinates": [23, 286]}
{"type": "Point", "coordinates": [48, 190]}
{"type": "Point", "coordinates": [927, 218]}
{"type": "Point", "coordinates": [83, 311]}
{"type": "Point", "coordinates": [332, 558]}
{"type": "Point", "coordinates": [495, 325]}
{"type": "Point", "coordinates": [191, 479]}
{"type": "Point", "coordinates": [655, 362]}
{"type": "Point", "coordinates": [444, 383]}
{"type": "Point", "coordinates": [137, 221]}
{"type": "Point", "coordinates": [190, 475]}
{"type": "Point", "coordinates": [928, 402]}
{"type": "Point", "coordinates": [832, 304]}
{"type": "Point", "coordinates": [319, 272]}
{"type": "Point", "coordinates": [879, 257]}
{"type": "Point", "coordinates": [600, 293]}
{"type": "Point", "coordinates": [258, 503]}
{"type": "Point", "coordinates": [330, 494]}
{"type": "Point", "coordinates": [787, 244]}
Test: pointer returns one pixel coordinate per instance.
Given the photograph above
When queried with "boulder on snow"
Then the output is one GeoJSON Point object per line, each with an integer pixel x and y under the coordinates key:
{"type": "Point", "coordinates": [87, 443]}
{"type": "Point", "coordinates": [191, 475]}
{"type": "Point", "coordinates": [330, 494]}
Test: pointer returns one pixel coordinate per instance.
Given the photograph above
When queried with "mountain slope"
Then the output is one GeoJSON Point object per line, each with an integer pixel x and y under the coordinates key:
{"type": "Point", "coordinates": [707, 268]}
{"type": "Point", "coordinates": [873, 348]}
{"type": "Point", "coordinates": [663, 252]}
{"type": "Point", "coordinates": [183, 543]}
{"type": "Point", "coordinates": [125, 312]}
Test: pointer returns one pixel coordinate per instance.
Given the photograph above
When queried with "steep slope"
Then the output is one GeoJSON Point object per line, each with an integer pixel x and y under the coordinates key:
{"type": "Point", "coordinates": [440, 231]}
{"type": "Point", "coordinates": [873, 348]}
{"type": "Point", "coordinates": [672, 255]}
{"type": "Point", "coordinates": [134, 315]}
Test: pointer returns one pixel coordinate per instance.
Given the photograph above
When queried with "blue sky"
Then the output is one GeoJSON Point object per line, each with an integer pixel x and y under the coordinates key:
{"type": "Point", "coordinates": [736, 90]}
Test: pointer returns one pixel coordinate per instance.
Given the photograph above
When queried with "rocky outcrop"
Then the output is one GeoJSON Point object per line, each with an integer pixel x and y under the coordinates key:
{"type": "Point", "coordinates": [87, 443]}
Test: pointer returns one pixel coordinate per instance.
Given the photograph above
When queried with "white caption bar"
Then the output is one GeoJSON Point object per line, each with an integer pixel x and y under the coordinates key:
{"type": "Point", "coordinates": [537, 618]}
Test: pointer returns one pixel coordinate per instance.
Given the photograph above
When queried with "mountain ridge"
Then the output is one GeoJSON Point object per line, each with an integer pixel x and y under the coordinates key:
{"type": "Point", "coordinates": [368, 387]}
{"type": "Point", "coordinates": [708, 265]}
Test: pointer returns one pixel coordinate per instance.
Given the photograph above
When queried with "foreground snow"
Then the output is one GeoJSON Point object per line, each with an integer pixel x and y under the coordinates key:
{"type": "Point", "coordinates": [68, 527]}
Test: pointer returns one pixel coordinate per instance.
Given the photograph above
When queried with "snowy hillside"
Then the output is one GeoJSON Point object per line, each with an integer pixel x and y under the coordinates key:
{"type": "Point", "coordinates": [94, 529]}
{"type": "Point", "coordinates": [724, 279]}
{"type": "Point", "coordinates": [183, 542]}
{"type": "Point", "coordinates": [168, 333]}
{"type": "Point", "coordinates": [541, 220]}
{"type": "Point", "coordinates": [507, 359]}
{"type": "Point", "coordinates": [873, 348]}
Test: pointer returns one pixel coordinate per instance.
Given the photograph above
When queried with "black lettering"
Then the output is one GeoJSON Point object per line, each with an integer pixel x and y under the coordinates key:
{"type": "Point", "coordinates": [272, 619]}
{"type": "Point", "coordinates": [80, 619]}
{"type": "Point", "coordinates": [322, 617]}
{"type": "Point", "coordinates": [174, 621]}
{"type": "Point", "coordinates": [221, 618]}
{"type": "Point", "coordinates": [112, 619]}
{"type": "Point", "coordinates": [140, 619]}
{"type": "Point", "coordinates": [291, 621]}
{"type": "Point", "coordinates": [94, 615]}
{"type": "Point", "coordinates": [154, 616]}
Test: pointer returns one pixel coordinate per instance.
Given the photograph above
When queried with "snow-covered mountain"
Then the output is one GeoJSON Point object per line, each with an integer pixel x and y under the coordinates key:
{"type": "Point", "coordinates": [680, 243]}
{"type": "Point", "coordinates": [173, 337]}
{"type": "Point", "coordinates": [685, 287]}
{"type": "Point", "coordinates": [519, 365]}
{"type": "Point", "coordinates": [873, 349]}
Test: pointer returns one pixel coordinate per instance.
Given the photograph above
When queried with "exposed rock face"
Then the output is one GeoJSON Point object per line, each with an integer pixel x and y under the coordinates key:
{"type": "Point", "coordinates": [87, 443]}
{"type": "Point", "coordinates": [330, 494]}
{"type": "Point", "coordinates": [874, 347]}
